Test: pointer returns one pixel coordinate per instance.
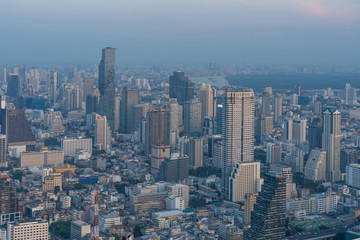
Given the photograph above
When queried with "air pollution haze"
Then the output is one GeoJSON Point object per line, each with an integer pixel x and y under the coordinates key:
{"type": "Point", "coordinates": [318, 32]}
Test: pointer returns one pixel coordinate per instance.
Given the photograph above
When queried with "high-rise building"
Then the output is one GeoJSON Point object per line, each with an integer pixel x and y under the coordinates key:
{"type": "Point", "coordinates": [158, 154]}
{"type": "Point", "coordinates": [10, 205]}
{"type": "Point", "coordinates": [3, 119]}
{"type": "Point", "coordinates": [139, 113]}
{"type": "Point", "coordinates": [278, 108]}
{"type": "Point", "coordinates": [181, 87]}
{"type": "Point", "coordinates": [238, 131]}
{"type": "Point", "coordinates": [288, 130]}
{"type": "Point", "coordinates": [70, 145]}
{"type": "Point", "coordinates": [174, 168]}
{"type": "Point", "coordinates": [79, 229]}
{"type": "Point", "coordinates": [268, 219]}
{"type": "Point", "coordinates": [19, 132]}
{"type": "Point", "coordinates": [245, 178]}
{"type": "Point", "coordinates": [250, 199]}
{"type": "Point", "coordinates": [287, 172]}
{"type": "Point", "coordinates": [102, 133]}
{"type": "Point", "coordinates": [3, 150]}
{"type": "Point", "coordinates": [206, 98]}
{"type": "Point", "coordinates": [331, 142]}
{"type": "Point", "coordinates": [299, 89]}
{"type": "Point", "coordinates": [52, 181]}
{"type": "Point", "coordinates": [353, 175]}
{"type": "Point", "coordinates": [180, 190]}
{"type": "Point", "coordinates": [348, 156]}
{"type": "Point", "coordinates": [29, 230]}
{"type": "Point", "coordinates": [53, 88]}
{"type": "Point", "coordinates": [299, 132]}
{"type": "Point", "coordinates": [219, 111]}
{"type": "Point", "coordinates": [295, 159]}
{"type": "Point", "coordinates": [266, 104]}
{"type": "Point", "coordinates": [176, 115]}
{"type": "Point", "coordinates": [13, 88]}
{"type": "Point", "coordinates": [117, 113]}
{"type": "Point", "coordinates": [107, 84]}
{"type": "Point", "coordinates": [273, 153]}
{"type": "Point", "coordinates": [157, 129]}
{"type": "Point", "coordinates": [72, 100]}
{"type": "Point", "coordinates": [315, 167]}
{"type": "Point", "coordinates": [192, 116]}
{"type": "Point", "coordinates": [349, 95]}
{"type": "Point", "coordinates": [88, 87]}
{"type": "Point", "coordinates": [92, 102]}
{"type": "Point", "coordinates": [130, 97]}
{"type": "Point", "coordinates": [196, 152]}
{"type": "Point", "coordinates": [315, 133]}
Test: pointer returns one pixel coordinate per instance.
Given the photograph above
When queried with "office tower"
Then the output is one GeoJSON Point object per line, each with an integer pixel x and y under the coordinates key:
{"type": "Point", "coordinates": [315, 133]}
{"type": "Point", "coordinates": [266, 104]}
{"type": "Point", "coordinates": [130, 97]}
{"type": "Point", "coordinates": [102, 133]}
{"type": "Point", "coordinates": [157, 129]}
{"type": "Point", "coordinates": [211, 142]}
{"type": "Point", "coordinates": [19, 132]}
{"type": "Point", "coordinates": [206, 98]}
{"type": "Point", "coordinates": [331, 142]}
{"type": "Point", "coordinates": [264, 125]}
{"type": "Point", "coordinates": [268, 90]}
{"type": "Point", "coordinates": [353, 175]}
{"type": "Point", "coordinates": [237, 132]}
{"type": "Point", "coordinates": [139, 113]}
{"type": "Point", "coordinates": [117, 113]}
{"type": "Point", "coordinates": [88, 87]}
{"type": "Point", "coordinates": [349, 95]}
{"type": "Point", "coordinates": [192, 117]}
{"type": "Point", "coordinates": [53, 88]}
{"type": "Point", "coordinates": [317, 108]}
{"type": "Point", "coordinates": [315, 167]}
{"type": "Point", "coordinates": [348, 156]}
{"type": "Point", "coordinates": [10, 205]}
{"type": "Point", "coordinates": [299, 132]}
{"type": "Point", "coordinates": [181, 87]}
{"type": "Point", "coordinates": [13, 88]}
{"type": "Point", "coordinates": [107, 84]}
{"type": "Point", "coordinates": [52, 181]}
{"type": "Point", "coordinates": [3, 150]}
{"type": "Point", "coordinates": [294, 99]}
{"type": "Point", "coordinates": [295, 159]}
{"type": "Point", "coordinates": [288, 130]}
{"type": "Point", "coordinates": [79, 229]}
{"type": "Point", "coordinates": [158, 154]}
{"type": "Point", "coordinates": [299, 89]}
{"type": "Point", "coordinates": [245, 178]}
{"type": "Point", "coordinates": [174, 168]}
{"type": "Point", "coordinates": [273, 153]}
{"type": "Point", "coordinates": [92, 102]}
{"type": "Point", "coordinates": [250, 199]}
{"type": "Point", "coordinates": [196, 152]}
{"type": "Point", "coordinates": [176, 115]}
{"type": "Point", "coordinates": [278, 108]}
{"type": "Point", "coordinates": [268, 219]}
{"type": "Point", "coordinates": [38, 230]}
{"type": "Point", "coordinates": [219, 110]}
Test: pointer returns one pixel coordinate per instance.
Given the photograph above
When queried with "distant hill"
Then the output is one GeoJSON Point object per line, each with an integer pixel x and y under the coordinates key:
{"type": "Point", "coordinates": [290, 80]}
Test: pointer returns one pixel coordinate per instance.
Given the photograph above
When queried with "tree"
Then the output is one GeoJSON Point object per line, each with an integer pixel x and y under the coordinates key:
{"type": "Point", "coordinates": [340, 236]}
{"type": "Point", "coordinates": [57, 189]}
{"type": "Point", "coordinates": [260, 154]}
{"type": "Point", "coordinates": [61, 229]}
{"type": "Point", "coordinates": [137, 231]}
{"type": "Point", "coordinates": [79, 186]}
{"type": "Point", "coordinates": [120, 187]}
{"type": "Point", "coordinates": [17, 175]}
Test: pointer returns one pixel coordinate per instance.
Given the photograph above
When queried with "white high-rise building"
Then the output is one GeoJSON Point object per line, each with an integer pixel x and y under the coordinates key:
{"type": "Point", "coordinates": [102, 133]}
{"type": "Point", "coordinates": [174, 202]}
{"type": "Point", "coordinates": [299, 131]}
{"type": "Point", "coordinates": [244, 179]}
{"type": "Point", "coordinates": [176, 115]}
{"type": "Point", "coordinates": [238, 131]}
{"type": "Point", "coordinates": [70, 145]}
{"type": "Point", "coordinates": [206, 98]}
{"type": "Point", "coordinates": [353, 175]}
{"type": "Point", "coordinates": [29, 230]}
{"type": "Point", "coordinates": [331, 143]}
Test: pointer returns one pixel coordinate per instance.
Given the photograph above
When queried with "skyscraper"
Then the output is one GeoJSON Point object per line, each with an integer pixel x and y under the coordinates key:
{"type": "Point", "coordinates": [315, 133]}
{"type": "Point", "coordinates": [13, 88]}
{"type": "Point", "coordinates": [268, 219]}
{"type": "Point", "coordinates": [10, 206]}
{"type": "Point", "coordinates": [206, 98]}
{"type": "Point", "coordinates": [174, 168]}
{"type": "Point", "coordinates": [92, 102]}
{"type": "Point", "coordinates": [181, 87]}
{"type": "Point", "coordinates": [19, 132]}
{"type": "Point", "coordinates": [176, 115]}
{"type": "Point", "coordinates": [299, 132]}
{"type": "Point", "coordinates": [102, 133]}
{"type": "Point", "coordinates": [238, 131]}
{"type": "Point", "coordinates": [192, 117]}
{"type": "Point", "coordinates": [107, 84]}
{"type": "Point", "coordinates": [88, 87]}
{"type": "Point", "coordinates": [130, 97]}
{"type": "Point", "coordinates": [157, 129]}
{"type": "Point", "coordinates": [3, 150]}
{"type": "Point", "coordinates": [288, 130]}
{"type": "Point", "coordinates": [266, 105]}
{"type": "Point", "coordinates": [331, 142]}
{"type": "Point", "coordinates": [278, 107]}
{"type": "Point", "coordinates": [53, 88]}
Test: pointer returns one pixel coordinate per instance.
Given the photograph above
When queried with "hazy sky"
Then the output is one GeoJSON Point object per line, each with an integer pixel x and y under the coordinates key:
{"type": "Point", "coordinates": [181, 31]}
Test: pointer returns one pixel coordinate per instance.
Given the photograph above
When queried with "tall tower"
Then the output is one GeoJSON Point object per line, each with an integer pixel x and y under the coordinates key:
{"type": "Point", "coordinates": [206, 98]}
{"type": "Point", "coordinates": [181, 87]}
{"type": "Point", "coordinates": [157, 129]}
{"type": "Point", "coordinates": [192, 116]}
{"type": "Point", "coordinates": [315, 133]}
{"type": "Point", "coordinates": [331, 142]}
{"type": "Point", "coordinates": [130, 97]}
{"type": "Point", "coordinates": [237, 131]}
{"type": "Point", "coordinates": [268, 219]}
{"type": "Point", "coordinates": [107, 84]}
{"type": "Point", "coordinates": [13, 88]}
{"type": "Point", "coordinates": [299, 131]}
{"type": "Point", "coordinates": [102, 133]}
{"type": "Point", "coordinates": [53, 87]}
{"type": "Point", "coordinates": [278, 107]}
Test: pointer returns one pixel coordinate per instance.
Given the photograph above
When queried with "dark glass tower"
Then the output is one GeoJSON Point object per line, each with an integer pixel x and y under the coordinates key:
{"type": "Point", "coordinates": [13, 88]}
{"type": "Point", "coordinates": [181, 87]}
{"type": "Point", "coordinates": [8, 200]}
{"type": "Point", "coordinates": [19, 131]}
{"type": "Point", "coordinates": [107, 85]}
{"type": "Point", "coordinates": [268, 219]}
{"type": "Point", "coordinates": [130, 97]}
{"type": "Point", "coordinates": [174, 168]}
{"type": "Point", "coordinates": [315, 133]}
